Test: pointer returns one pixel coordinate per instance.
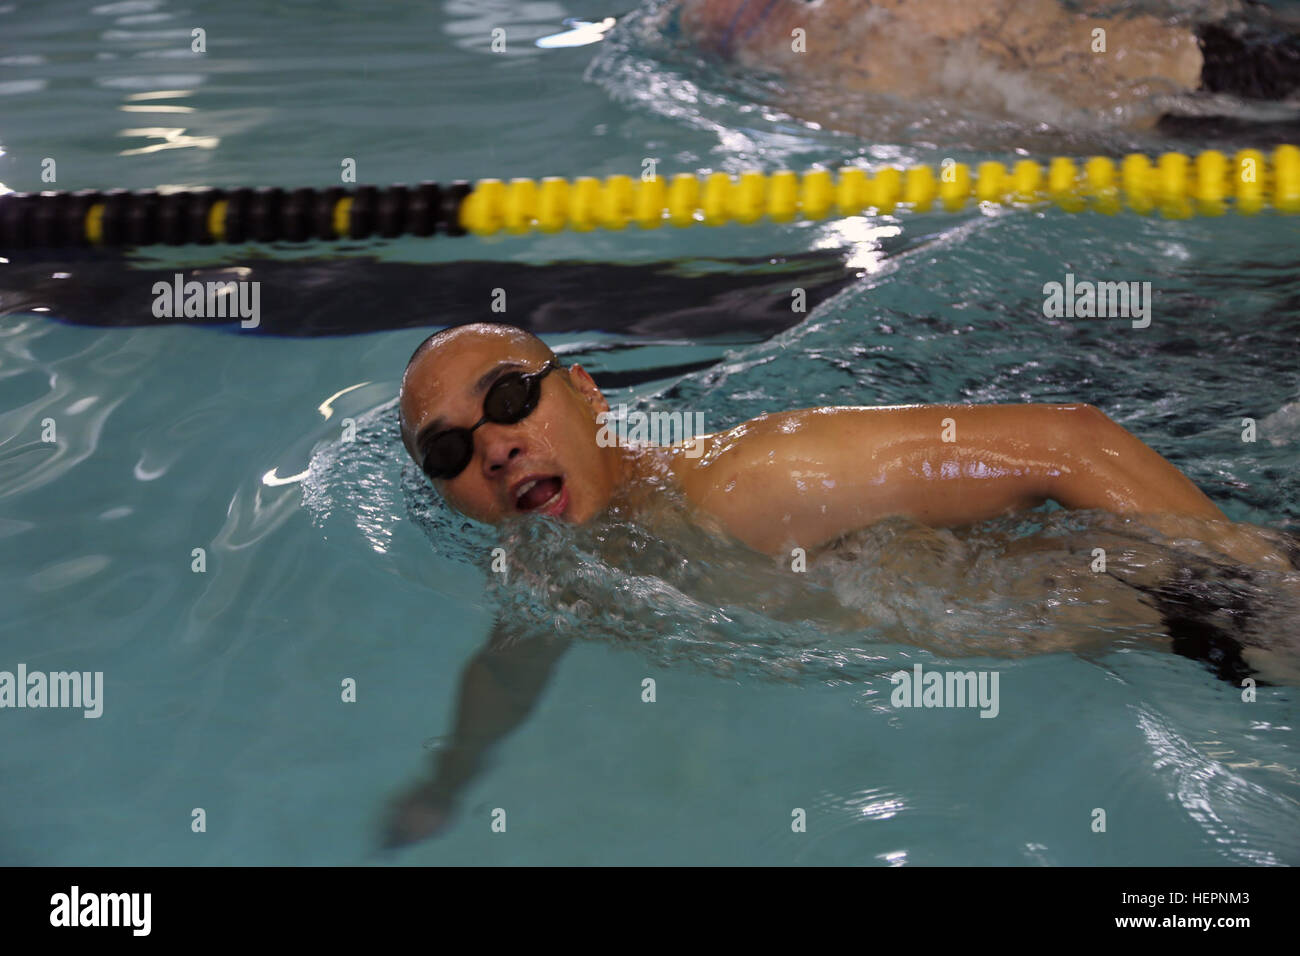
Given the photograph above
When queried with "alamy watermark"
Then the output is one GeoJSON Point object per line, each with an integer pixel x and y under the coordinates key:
{"type": "Point", "coordinates": [75, 908]}
{"type": "Point", "coordinates": [1098, 300]}
{"type": "Point", "coordinates": [55, 689]}
{"type": "Point", "coordinates": [226, 299]}
{"type": "Point", "coordinates": [620, 427]}
{"type": "Point", "coordinates": [919, 688]}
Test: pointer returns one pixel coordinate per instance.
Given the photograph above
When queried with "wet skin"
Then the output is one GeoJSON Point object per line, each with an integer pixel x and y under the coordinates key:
{"type": "Point", "coordinates": [445, 388]}
{"type": "Point", "coordinates": [799, 478]}
{"type": "Point", "coordinates": [953, 49]}
{"type": "Point", "coordinates": [804, 477]}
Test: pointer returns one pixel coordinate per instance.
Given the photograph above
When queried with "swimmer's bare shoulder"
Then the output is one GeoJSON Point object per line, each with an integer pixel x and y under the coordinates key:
{"type": "Point", "coordinates": [805, 477]}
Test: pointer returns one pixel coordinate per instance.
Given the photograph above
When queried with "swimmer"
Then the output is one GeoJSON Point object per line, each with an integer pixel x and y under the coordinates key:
{"type": "Point", "coordinates": [1040, 60]}
{"type": "Point", "coordinates": [504, 431]}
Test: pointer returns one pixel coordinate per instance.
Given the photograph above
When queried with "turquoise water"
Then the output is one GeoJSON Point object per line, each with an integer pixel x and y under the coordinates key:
{"type": "Point", "coordinates": [329, 560]}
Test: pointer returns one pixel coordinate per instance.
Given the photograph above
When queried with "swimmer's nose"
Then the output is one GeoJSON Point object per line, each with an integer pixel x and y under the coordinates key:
{"type": "Point", "coordinates": [499, 448]}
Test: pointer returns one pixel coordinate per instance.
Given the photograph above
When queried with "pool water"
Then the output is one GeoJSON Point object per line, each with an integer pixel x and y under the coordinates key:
{"type": "Point", "coordinates": [330, 561]}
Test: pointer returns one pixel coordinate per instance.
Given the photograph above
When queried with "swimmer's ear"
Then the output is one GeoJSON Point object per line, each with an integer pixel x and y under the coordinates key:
{"type": "Point", "coordinates": [586, 386]}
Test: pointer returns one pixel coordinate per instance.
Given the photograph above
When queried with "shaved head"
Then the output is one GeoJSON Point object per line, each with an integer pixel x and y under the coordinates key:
{"type": "Point", "coordinates": [547, 461]}
{"type": "Point", "coordinates": [527, 346]}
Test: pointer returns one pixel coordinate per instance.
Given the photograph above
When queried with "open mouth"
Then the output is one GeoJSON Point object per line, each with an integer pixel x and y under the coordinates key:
{"type": "Point", "coordinates": [541, 494]}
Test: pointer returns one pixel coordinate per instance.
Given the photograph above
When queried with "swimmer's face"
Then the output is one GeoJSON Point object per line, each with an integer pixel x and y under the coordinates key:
{"type": "Point", "coordinates": [548, 463]}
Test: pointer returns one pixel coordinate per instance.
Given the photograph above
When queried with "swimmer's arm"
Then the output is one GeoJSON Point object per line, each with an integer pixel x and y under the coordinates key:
{"type": "Point", "coordinates": [803, 478]}
{"type": "Point", "coordinates": [498, 689]}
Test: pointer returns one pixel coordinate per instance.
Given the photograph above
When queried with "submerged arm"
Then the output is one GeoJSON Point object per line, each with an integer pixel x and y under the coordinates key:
{"type": "Point", "coordinates": [498, 689]}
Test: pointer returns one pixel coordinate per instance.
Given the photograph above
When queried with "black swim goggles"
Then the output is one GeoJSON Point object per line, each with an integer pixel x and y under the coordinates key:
{"type": "Point", "coordinates": [511, 399]}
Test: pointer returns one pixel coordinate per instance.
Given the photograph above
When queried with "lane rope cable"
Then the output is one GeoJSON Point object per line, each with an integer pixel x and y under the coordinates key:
{"type": "Point", "coordinates": [1175, 185]}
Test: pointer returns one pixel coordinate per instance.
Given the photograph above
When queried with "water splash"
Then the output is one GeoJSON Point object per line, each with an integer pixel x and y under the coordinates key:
{"type": "Point", "coordinates": [761, 116]}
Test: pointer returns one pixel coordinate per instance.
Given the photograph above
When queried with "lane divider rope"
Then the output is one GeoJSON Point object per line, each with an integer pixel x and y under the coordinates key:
{"type": "Point", "coordinates": [1175, 185]}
